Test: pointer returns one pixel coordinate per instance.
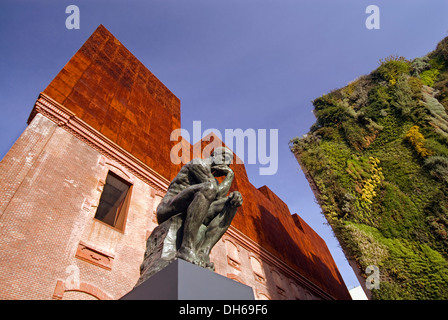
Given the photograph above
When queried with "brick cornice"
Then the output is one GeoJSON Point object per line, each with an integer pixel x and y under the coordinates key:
{"type": "Point", "coordinates": [268, 257]}
{"type": "Point", "coordinates": [67, 120]}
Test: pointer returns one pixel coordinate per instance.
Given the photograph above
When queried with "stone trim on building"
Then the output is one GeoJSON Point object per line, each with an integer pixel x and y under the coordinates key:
{"type": "Point", "coordinates": [88, 288]}
{"type": "Point", "coordinates": [66, 119]}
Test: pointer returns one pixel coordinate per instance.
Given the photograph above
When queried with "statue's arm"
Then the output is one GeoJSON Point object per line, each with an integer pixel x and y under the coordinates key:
{"type": "Point", "coordinates": [201, 173]}
{"type": "Point", "coordinates": [224, 186]}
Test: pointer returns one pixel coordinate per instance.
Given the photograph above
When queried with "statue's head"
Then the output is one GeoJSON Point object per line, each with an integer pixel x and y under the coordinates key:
{"type": "Point", "coordinates": [221, 155]}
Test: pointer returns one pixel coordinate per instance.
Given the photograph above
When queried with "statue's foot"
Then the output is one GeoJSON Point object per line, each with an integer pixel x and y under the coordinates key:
{"type": "Point", "coordinates": [188, 255]}
{"type": "Point", "coordinates": [210, 265]}
{"type": "Point", "coordinates": [204, 257]}
{"type": "Point", "coordinates": [207, 265]}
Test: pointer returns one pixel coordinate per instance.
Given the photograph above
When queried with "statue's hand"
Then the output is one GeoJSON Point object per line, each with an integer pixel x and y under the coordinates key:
{"type": "Point", "coordinates": [221, 170]}
{"type": "Point", "coordinates": [235, 199]}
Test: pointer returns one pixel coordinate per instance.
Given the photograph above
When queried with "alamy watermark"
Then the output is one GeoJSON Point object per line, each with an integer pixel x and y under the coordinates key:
{"type": "Point", "coordinates": [73, 20]}
{"type": "Point", "coordinates": [255, 142]}
{"type": "Point", "coordinates": [373, 20]}
{"type": "Point", "coordinates": [373, 280]}
{"type": "Point", "coordinates": [72, 281]}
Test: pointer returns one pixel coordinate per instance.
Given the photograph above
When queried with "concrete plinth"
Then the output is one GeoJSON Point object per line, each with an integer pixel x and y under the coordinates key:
{"type": "Point", "coordinates": [181, 280]}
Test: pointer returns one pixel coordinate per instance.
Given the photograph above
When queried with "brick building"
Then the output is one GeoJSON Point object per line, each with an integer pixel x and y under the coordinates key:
{"type": "Point", "coordinates": [101, 131]}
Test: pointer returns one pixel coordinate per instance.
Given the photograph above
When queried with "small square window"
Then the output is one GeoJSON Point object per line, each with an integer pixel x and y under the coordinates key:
{"type": "Point", "coordinates": [114, 201]}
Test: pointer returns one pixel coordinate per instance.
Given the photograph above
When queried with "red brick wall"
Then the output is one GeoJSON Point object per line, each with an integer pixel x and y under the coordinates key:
{"type": "Point", "coordinates": [52, 191]}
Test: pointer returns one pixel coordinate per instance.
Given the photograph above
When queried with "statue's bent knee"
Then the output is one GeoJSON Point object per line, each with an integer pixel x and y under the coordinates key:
{"type": "Point", "coordinates": [209, 190]}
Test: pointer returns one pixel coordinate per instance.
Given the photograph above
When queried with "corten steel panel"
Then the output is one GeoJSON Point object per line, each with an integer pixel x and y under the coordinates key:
{"type": "Point", "coordinates": [107, 87]}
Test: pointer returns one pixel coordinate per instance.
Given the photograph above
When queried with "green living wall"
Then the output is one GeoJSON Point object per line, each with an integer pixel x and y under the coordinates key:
{"type": "Point", "coordinates": [377, 157]}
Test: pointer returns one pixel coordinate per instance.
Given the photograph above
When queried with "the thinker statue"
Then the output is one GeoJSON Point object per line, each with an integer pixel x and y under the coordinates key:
{"type": "Point", "coordinates": [193, 215]}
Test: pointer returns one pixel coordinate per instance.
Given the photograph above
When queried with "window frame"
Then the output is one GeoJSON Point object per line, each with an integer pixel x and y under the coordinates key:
{"type": "Point", "coordinates": [122, 215]}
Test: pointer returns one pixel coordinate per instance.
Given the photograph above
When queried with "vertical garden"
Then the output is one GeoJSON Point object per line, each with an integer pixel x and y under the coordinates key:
{"type": "Point", "coordinates": [377, 159]}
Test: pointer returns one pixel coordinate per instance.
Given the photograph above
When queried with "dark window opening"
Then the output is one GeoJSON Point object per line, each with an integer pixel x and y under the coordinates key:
{"type": "Point", "coordinates": [114, 201]}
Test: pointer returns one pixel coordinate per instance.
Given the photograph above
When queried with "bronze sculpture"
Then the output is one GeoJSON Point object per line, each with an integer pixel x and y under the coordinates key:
{"type": "Point", "coordinates": [193, 215]}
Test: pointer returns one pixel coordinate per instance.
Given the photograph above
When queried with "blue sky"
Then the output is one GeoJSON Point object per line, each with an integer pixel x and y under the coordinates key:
{"type": "Point", "coordinates": [233, 63]}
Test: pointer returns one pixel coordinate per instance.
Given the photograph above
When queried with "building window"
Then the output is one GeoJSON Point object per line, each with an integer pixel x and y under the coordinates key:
{"type": "Point", "coordinates": [258, 270]}
{"type": "Point", "coordinates": [114, 201]}
{"type": "Point", "coordinates": [232, 255]}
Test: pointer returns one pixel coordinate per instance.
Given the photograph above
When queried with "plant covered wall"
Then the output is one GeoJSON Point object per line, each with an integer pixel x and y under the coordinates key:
{"type": "Point", "coordinates": [377, 158]}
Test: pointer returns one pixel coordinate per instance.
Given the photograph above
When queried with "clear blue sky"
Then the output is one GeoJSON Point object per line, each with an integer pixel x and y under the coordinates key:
{"type": "Point", "coordinates": [233, 63]}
